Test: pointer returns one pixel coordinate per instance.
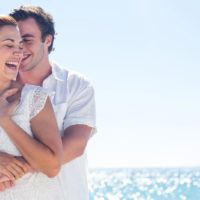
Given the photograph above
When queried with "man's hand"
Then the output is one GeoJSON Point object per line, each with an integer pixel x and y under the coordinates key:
{"type": "Point", "coordinates": [13, 167]}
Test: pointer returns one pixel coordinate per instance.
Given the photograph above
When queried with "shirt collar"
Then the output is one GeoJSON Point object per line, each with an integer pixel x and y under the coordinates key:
{"type": "Point", "coordinates": [57, 72]}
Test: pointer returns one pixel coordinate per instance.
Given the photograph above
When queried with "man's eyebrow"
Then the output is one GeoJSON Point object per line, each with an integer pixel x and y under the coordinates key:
{"type": "Point", "coordinates": [27, 35]}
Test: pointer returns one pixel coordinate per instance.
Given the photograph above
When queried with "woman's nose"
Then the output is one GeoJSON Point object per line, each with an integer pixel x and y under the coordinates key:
{"type": "Point", "coordinates": [18, 51]}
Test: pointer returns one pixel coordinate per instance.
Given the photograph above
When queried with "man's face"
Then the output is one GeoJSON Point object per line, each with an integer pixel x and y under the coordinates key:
{"type": "Point", "coordinates": [34, 48]}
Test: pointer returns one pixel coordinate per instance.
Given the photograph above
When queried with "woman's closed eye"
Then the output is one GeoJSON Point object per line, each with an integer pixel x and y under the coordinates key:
{"type": "Point", "coordinates": [9, 45]}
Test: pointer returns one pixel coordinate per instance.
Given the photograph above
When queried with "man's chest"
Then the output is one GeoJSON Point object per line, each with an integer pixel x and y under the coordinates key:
{"type": "Point", "coordinates": [59, 102]}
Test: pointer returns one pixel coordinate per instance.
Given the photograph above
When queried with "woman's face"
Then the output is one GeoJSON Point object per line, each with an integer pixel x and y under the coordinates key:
{"type": "Point", "coordinates": [10, 52]}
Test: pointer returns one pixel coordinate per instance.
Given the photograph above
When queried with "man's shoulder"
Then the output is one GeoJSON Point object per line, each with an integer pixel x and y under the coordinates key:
{"type": "Point", "coordinates": [71, 76]}
{"type": "Point", "coordinates": [77, 76]}
{"type": "Point", "coordinates": [59, 70]}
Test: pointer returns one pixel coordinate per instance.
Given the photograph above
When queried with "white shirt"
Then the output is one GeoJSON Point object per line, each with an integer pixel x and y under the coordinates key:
{"type": "Point", "coordinates": [72, 97]}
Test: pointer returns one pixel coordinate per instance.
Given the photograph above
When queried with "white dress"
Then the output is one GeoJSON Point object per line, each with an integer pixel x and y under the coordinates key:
{"type": "Point", "coordinates": [32, 186]}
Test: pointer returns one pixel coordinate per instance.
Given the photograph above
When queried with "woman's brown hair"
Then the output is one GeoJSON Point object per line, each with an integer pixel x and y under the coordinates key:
{"type": "Point", "coordinates": [6, 20]}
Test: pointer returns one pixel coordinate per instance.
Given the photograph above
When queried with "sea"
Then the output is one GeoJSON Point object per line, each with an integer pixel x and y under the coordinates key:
{"type": "Point", "coordinates": [145, 184]}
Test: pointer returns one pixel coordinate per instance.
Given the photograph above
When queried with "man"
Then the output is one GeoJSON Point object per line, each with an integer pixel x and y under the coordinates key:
{"type": "Point", "coordinates": [71, 94]}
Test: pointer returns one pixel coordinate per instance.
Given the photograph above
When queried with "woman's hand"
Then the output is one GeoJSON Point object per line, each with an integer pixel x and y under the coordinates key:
{"type": "Point", "coordinates": [13, 167]}
{"type": "Point", "coordinates": [6, 184]}
{"type": "Point", "coordinates": [7, 107]}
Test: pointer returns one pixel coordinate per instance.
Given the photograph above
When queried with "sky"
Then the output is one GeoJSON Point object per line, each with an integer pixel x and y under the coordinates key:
{"type": "Point", "coordinates": [143, 59]}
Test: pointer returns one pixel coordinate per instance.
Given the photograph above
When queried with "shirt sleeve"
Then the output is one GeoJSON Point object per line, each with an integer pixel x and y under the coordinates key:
{"type": "Point", "coordinates": [38, 101]}
{"type": "Point", "coordinates": [81, 107]}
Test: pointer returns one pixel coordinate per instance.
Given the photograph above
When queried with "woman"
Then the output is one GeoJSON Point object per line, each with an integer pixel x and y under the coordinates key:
{"type": "Point", "coordinates": [27, 124]}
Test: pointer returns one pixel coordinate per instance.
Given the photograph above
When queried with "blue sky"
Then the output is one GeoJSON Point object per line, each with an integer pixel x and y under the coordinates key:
{"type": "Point", "coordinates": [143, 58]}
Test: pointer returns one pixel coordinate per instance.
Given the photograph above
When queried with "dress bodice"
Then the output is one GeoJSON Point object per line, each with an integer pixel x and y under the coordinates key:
{"type": "Point", "coordinates": [32, 186]}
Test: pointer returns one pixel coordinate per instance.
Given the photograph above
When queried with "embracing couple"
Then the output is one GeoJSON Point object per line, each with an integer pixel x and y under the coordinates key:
{"type": "Point", "coordinates": [47, 114]}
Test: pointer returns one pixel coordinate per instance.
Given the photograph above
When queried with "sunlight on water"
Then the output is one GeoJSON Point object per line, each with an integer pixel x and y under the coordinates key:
{"type": "Point", "coordinates": [145, 184]}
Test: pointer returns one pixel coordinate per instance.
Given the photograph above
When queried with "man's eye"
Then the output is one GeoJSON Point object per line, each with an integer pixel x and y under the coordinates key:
{"type": "Point", "coordinates": [25, 40]}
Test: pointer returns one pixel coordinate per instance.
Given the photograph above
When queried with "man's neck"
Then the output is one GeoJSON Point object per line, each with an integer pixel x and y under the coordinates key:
{"type": "Point", "coordinates": [34, 77]}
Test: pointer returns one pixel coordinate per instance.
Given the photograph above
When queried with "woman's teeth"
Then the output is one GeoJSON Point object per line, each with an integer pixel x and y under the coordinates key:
{"type": "Point", "coordinates": [12, 65]}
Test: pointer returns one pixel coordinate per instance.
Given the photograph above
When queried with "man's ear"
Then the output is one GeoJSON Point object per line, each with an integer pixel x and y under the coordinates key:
{"type": "Point", "coordinates": [48, 40]}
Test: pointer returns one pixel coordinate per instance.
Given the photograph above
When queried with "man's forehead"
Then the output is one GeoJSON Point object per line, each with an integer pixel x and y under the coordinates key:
{"type": "Point", "coordinates": [29, 28]}
{"type": "Point", "coordinates": [28, 24]}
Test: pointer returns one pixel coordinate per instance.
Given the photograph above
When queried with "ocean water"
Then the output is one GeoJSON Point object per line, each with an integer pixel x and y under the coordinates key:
{"type": "Point", "coordinates": [145, 184]}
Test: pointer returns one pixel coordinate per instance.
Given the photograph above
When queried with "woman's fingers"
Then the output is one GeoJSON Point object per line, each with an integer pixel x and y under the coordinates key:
{"type": "Point", "coordinates": [8, 184]}
{"type": "Point", "coordinates": [16, 171]}
{"type": "Point", "coordinates": [18, 168]}
{"type": "Point", "coordinates": [4, 178]}
{"type": "Point", "coordinates": [8, 173]}
{"type": "Point", "coordinates": [21, 162]}
{"type": "Point", "coordinates": [12, 106]}
{"type": "Point", "coordinates": [13, 167]}
{"type": "Point", "coordinates": [7, 109]}
{"type": "Point", "coordinates": [9, 93]}
{"type": "Point", "coordinates": [2, 187]}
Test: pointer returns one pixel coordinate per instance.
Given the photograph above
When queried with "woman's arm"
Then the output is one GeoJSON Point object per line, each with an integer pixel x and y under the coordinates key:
{"type": "Point", "coordinates": [44, 151]}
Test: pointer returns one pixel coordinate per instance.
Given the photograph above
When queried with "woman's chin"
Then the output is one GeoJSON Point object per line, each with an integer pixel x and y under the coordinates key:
{"type": "Point", "coordinates": [13, 77]}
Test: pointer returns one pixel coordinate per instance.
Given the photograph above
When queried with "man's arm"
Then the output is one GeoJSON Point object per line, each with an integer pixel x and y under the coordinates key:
{"type": "Point", "coordinates": [79, 121]}
{"type": "Point", "coordinates": [75, 141]}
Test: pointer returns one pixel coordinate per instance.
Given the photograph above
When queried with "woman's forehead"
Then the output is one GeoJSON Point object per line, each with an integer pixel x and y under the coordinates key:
{"type": "Point", "coordinates": [9, 32]}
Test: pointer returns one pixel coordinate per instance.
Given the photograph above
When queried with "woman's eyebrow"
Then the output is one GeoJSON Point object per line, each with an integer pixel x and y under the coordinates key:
{"type": "Point", "coordinates": [8, 39]}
